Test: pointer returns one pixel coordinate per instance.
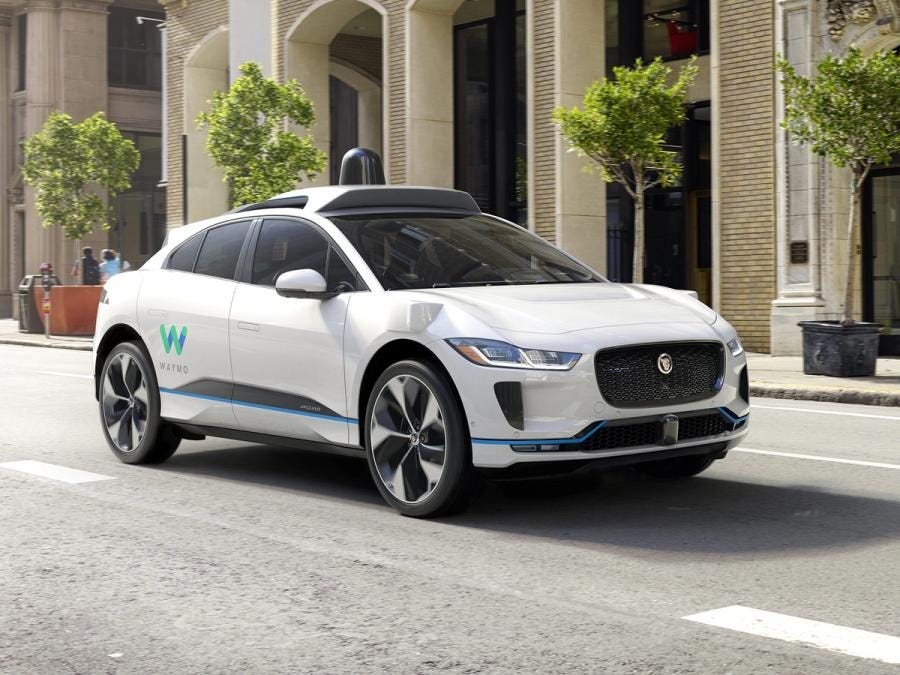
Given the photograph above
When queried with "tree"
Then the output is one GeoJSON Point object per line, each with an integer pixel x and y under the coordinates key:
{"type": "Point", "coordinates": [77, 170]}
{"type": "Point", "coordinates": [623, 128]}
{"type": "Point", "coordinates": [850, 113]}
{"type": "Point", "coordinates": [248, 139]}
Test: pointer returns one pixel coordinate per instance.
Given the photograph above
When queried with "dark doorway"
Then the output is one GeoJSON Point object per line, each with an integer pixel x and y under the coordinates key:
{"type": "Point", "coordinates": [344, 122]}
{"type": "Point", "coordinates": [490, 155]}
{"type": "Point", "coordinates": [881, 256]}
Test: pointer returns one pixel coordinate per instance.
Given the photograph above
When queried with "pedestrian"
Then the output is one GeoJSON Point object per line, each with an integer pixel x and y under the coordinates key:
{"type": "Point", "coordinates": [87, 268]}
{"type": "Point", "coordinates": [110, 266]}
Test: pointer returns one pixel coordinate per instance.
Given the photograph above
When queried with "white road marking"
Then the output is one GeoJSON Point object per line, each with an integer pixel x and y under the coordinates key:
{"type": "Point", "coordinates": [54, 372]}
{"type": "Point", "coordinates": [54, 471]}
{"type": "Point", "coordinates": [861, 643]}
{"type": "Point", "coordinates": [825, 412]}
{"type": "Point", "coordinates": [835, 460]}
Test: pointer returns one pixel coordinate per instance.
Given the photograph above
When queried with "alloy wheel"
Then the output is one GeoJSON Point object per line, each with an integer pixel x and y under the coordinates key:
{"type": "Point", "coordinates": [408, 438]}
{"type": "Point", "coordinates": [124, 398]}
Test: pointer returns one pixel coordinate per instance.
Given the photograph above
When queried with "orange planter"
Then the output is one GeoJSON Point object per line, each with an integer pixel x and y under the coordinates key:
{"type": "Point", "coordinates": [73, 309]}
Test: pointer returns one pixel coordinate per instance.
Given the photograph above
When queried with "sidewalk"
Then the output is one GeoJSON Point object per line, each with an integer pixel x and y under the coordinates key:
{"type": "Point", "coordinates": [770, 376]}
{"type": "Point", "coordinates": [782, 377]}
{"type": "Point", "coordinates": [10, 335]}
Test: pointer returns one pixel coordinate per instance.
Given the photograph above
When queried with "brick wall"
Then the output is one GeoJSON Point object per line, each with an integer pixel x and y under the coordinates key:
{"type": "Point", "coordinates": [360, 51]}
{"type": "Point", "coordinates": [545, 133]}
{"type": "Point", "coordinates": [747, 168]}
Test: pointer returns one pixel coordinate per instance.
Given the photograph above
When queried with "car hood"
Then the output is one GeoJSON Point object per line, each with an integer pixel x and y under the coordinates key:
{"type": "Point", "coordinates": [564, 308]}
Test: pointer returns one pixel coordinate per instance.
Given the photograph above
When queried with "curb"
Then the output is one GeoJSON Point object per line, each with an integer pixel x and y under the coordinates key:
{"type": "Point", "coordinates": [73, 346]}
{"type": "Point", "coordinates": [858, 396]}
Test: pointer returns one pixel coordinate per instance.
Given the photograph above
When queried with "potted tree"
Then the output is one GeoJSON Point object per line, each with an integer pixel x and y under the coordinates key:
{"type": "Point", "coordinates": [848, 112]}
{"type": "Point", "coordinates": [248, 140]}
{"type": "Point", "coordinates": [622, 128]}
{"type": "Point", "coordinates": [76, 171]}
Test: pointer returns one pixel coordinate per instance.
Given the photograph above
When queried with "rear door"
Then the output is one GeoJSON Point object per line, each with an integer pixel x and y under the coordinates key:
{"type": "Point", "coordinates": [287, 353]}
{"type": "Point", "coordinates": [183, 314]}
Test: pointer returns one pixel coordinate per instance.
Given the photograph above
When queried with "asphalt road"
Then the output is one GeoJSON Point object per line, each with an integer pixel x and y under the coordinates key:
{"type": "Point", "coordinates": [233, 557]}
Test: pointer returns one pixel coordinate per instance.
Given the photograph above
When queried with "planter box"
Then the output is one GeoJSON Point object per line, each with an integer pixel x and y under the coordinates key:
{"type": "Point", "coordinates": [839, 351]}
{"type": "Point", "coordinates": [73, 309]}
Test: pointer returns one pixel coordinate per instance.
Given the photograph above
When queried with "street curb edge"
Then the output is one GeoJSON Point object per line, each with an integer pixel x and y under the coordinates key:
{"type": "Point", "coordinates": [28, 343]}
{"type": "Point", "coordinates": [857, 396]}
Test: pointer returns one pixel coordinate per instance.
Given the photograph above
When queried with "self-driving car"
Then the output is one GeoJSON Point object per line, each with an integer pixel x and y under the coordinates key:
{"type": "Point", "coordinates": [403, 325]}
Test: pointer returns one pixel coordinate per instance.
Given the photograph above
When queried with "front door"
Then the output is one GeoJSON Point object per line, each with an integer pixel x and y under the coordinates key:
{"type": "Point", "coordinates": [287, 353]}
{"type": "Point", "coordinates": [881, 261]}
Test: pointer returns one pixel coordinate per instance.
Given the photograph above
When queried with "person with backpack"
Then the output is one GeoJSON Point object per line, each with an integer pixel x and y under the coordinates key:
{"type": "Point", "coordinates": [87, 268]}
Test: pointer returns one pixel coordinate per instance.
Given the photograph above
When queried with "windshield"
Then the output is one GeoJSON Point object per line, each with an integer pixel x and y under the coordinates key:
{"type": "Point", "coordinates": [443, 251]}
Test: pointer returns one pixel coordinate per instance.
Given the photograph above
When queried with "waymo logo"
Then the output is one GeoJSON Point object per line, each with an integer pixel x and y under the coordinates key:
{"type": "Point", "coordinates": [171, 338]}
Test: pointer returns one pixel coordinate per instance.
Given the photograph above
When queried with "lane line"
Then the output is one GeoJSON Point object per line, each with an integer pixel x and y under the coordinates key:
{"type": "Point", "coordinates": [819, 458]}
{"type": "Point", "coordinates": [54, 471]}
{"type": "Point", "coordinates": [824, 412]}
{"type": "Point", "coordinates": [54, 372]}
{"type": "Point", "coordinates": [851, 641]}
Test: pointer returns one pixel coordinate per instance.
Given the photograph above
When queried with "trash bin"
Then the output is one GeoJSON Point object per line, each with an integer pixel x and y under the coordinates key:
{"type": "Point", "coordinates": [30, 319]}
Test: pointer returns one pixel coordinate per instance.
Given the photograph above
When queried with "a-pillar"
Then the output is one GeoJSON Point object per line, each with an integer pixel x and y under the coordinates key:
{"type": "Point", "coordinates": [579, 60]}
{"type": "Point", "coordinates": [6, 282]}
{"type": "Point", "coordinates": [42, 89]}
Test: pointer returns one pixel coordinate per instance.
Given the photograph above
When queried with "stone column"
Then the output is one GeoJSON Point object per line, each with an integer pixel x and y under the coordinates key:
{"type": "Point", "coordinates": [581, 197]}
{"type": "Point", "coordinates": [798, 204]}
{"type": "Point", "coordinates": [5, 149]}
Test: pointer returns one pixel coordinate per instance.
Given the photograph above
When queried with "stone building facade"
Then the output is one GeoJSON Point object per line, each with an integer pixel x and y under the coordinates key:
{"type": "Point", "coordinates": [80, 57]}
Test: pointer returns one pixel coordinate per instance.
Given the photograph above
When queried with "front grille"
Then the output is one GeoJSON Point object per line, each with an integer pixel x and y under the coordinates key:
{"type": "Point", "coordinates": [629, 377]}
{"type": "Point", "coordinates": [700, 426]}
{"type": "Point", "coordinates": [650, 432]}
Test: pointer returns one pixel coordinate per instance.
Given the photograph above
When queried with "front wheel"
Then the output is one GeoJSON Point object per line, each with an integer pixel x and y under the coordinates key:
{"type": "Point", "coordinates": [129, 408]}
{"type": "Point", "coordinates": [417, 444]}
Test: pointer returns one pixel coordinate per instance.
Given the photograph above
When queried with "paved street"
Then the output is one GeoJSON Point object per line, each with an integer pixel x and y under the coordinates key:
{"type": "Point", "coordinates": [233, 557]}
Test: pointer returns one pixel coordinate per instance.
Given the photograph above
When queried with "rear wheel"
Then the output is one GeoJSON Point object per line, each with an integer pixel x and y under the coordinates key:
{"type": "Point", "coordinates": [129, 408]}
{"type": "Point", "coordinates": [677, 467]}
{"type": "Point", "coordinates": [417, 445]}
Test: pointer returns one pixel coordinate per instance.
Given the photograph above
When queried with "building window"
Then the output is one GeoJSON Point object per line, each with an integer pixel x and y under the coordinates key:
{"type": "Point", "coordinates": [22, 45]}
{"type": "Point", "coordinates": [675, 29]}
{"type": "Point", "coordinates": [134, 55]}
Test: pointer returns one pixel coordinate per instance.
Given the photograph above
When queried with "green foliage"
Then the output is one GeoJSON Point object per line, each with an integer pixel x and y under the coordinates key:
{"type": "Point", "coordinates": [623, 124]}
{"type": "Point", "coordinates": [849, 112]}
{"type": "Point", "coordinates": [248, 141]}
{"type": "Point", "coordinates": [71, 166]}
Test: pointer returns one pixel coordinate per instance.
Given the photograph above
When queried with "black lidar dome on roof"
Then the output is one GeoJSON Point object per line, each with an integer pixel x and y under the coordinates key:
{"type": "Point", "coordinates": [361, 167]}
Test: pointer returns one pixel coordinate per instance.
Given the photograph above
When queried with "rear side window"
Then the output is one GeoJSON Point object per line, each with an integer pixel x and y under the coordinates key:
{"type": "Point", "coordinates": [221, 249]}
{"type": "Point", "coordinates": [183, 257]}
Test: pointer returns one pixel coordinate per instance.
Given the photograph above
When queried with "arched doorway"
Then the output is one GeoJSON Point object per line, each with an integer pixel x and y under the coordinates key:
{"type": "Point", "coordinates": [335, 49]}
{"type": "Point", "coordinates": [204, 193]}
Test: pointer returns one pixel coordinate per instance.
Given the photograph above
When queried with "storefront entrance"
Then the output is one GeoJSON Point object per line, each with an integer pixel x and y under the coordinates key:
{"type": "Point", "coordinates": [881, 256]}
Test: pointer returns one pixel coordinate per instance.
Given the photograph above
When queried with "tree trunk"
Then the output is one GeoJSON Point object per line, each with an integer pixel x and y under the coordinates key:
{"type": "Point", "coordinates": [847, 318]}
{"type": "Point", "coordinates": [637, 275]}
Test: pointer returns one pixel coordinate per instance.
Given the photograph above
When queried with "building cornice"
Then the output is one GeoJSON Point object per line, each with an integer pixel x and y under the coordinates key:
{"type": "Point", "coordinates": [97, 6]}
{"type": "Point", "coordinates": [841, 13]}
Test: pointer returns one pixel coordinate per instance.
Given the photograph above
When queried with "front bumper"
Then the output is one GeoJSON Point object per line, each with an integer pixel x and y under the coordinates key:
{"type": "Point", "coordinates": [560, 410]}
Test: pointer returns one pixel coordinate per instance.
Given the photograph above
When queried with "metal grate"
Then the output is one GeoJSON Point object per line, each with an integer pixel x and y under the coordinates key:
{"type": "Point", "coordinates": [623, 436]}
{"type": "Point", "coordinates": [630, 377]}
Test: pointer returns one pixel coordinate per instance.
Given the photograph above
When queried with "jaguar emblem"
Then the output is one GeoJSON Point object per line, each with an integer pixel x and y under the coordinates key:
{"type": "Point", "coordinates": [665, 363]}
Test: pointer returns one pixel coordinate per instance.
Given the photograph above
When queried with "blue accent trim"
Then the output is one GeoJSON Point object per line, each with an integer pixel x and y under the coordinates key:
{"type": "Point", "coordinates": [218, 399]}
{"type": "Point", "coordinates": [541, 441]}
{"type": "Point", "coordinates": [730, 417]}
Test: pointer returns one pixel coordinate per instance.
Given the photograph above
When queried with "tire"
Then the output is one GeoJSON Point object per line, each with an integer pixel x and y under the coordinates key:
{"type": "Point", "coordinates": [129, 394]}
{"type": "Point", "coordinates": [421, 461]}
{"type": "Point", "coordinates": [677, 467]}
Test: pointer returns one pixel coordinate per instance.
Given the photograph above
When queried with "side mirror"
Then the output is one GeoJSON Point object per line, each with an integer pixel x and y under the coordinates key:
{"type": "Point", "coordinates": [302, 284]}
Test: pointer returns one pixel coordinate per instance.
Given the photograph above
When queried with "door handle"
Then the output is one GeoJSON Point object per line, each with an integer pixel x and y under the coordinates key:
{"type": "Point", "coordinates": [161, 313]}
{"type": "Point", "coordinates": [243, 325]}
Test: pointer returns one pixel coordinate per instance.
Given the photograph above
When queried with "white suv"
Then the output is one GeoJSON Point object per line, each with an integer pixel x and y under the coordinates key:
{"type": "Point", "coordinates": [403, 325]}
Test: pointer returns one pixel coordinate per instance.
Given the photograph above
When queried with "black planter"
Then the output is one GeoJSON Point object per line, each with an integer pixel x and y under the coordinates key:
{"type": "Point", "coordinates": [840, 351]}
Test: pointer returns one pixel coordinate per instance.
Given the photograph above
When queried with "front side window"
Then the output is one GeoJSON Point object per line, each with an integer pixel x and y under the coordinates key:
{"type": "Point", "coordinates": [134, 57]}
{"type": "Point", "coordinates": [286, 245]}
{"type": "Point", "coordinates": [444, 251]}
{"type": "Point", "coordinates": [182, 259]}
{"type": "Point", "coordinates": [221, 249]}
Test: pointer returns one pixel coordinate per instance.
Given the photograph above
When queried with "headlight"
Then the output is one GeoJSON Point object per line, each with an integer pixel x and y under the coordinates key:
{"type": "Point", "coordinates": [504, 355]}
{"type": "Point", "coordinates": [735, 346]}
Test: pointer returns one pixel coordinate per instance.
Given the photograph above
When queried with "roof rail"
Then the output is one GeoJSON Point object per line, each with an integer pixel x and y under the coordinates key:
{"type": "Point", "coordinates": [292, 202]}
